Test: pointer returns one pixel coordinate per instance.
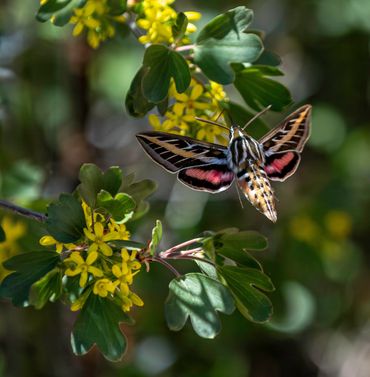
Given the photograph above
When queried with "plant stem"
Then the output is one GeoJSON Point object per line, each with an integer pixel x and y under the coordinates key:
{"type": "Point", "coordinates": [185, 48]}
{"type": "Point", "coordinates": [166, 253]}
{"type": "Point", "coordinates": [189, 257]}
{"type": "Point", "coordinates": [23, 211]}
{"type": "Point", "coordinates": [164, 263]}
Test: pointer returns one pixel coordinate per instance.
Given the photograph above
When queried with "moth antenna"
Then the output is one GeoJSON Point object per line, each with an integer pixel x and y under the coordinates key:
{"type": "Point", "coordinates": [257, 116]}
{"type": "Point", "coordinates": [240, 199]}
{"type": "Point", "coordinates": [212, 122]}
{"type": "Point", "coordinates": [218, 116]}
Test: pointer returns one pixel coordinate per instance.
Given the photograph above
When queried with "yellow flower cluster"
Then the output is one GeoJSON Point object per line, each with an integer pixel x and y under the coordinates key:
{"type": "Point", "coordinates": [200, 100]}
{"type": "Point", "coordinates": [157, 18]}
{"type": "Point", "coordinates": [329, 236]}
{"type": "Point", "coordinates": [101, 271]}
{"type": "Point", "coordinates": [13, 230]}
{"type": "Point", "coordinates": [95, 17]}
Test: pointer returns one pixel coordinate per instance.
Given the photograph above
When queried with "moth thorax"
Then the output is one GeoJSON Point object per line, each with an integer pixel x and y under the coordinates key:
{"type": "Point", "coordinates": [244, 149]}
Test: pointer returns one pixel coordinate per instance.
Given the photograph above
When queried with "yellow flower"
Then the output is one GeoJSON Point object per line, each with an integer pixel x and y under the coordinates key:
{"type": "Point", "coordinates": [123, 272]}
{"type": "Point", "coordinates": [338, 223]}
{"type": "Point", "coordinates": [13, 231]}
{"type": "Point", "coordinates": [49, 241]}
{"type": "Point", "coordinates": [130, 300]}
{"type": "Point", "coordinates": [130, 260]}
{"type": "Point", "coordinates": [99, 239]}
{"type": "Point", "coordinates": [191, 101]}
{"type": "Point", "coordinates": [304, 229]}
{"type": "Point", "coordinates": [120, 229]}
{"type": "Point", "coordinates": [210, 132]}
{"type": "Point", "coordinates": [216, 92]}
{"type": "Point", "coordinates": [157, 19]}
{"type": "Point", "coordinates": [77, 265]}
{"type": "Point", "coordinates": [95, 17]}
{"type": "Point", "coordinates": [104, 286]}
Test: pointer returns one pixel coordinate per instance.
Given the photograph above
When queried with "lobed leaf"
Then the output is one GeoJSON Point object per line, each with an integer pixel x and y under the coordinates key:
{"type": "Point", "coordinates": [29, 268]}
{"type": "Point", "coordinates": [98, 323]}
{"type": "Point", "coordinates": [93, 180]}
{"type": "Point", "coordinates": [259, 91]}
{"type": "Point", "coordinates": [223, 41]}
{"type": "Point", "coordinates": [246, 285]}
{"type": "Point", "coordinates": [198, 297]}
{"type": "Point", "coordinates": [120, 207]}
{"type": "Point", "coordinates": [161, 64]}
{"type": "Point", "coordinates": [66, 220]}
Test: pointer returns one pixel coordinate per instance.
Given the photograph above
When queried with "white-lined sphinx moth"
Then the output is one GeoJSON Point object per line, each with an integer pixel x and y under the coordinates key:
{"type": "Point", "coordinates": [213, 168]}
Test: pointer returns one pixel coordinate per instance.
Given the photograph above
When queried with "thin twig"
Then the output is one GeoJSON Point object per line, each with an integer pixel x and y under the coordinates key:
{"type": "Point", "coordinates": [179, 246]}
{"type": "Point", "coordinates": [23, 211]}
{"type": "Point", "coordinates": [189, 257]}
{"type": "Point", "coordinates": [185, 48]}
{"type": "Point", "coordinates": [164, 263]}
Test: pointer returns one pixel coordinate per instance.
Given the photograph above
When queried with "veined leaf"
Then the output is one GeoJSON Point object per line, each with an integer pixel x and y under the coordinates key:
{"type": "Point", "coordinates": [223, 41]}
{"type": "Point", "coordinates": [29, 268]}
{"type": "Point", "coordinates": [246, 285]}
{"type": "Point", "coordinates": [259, 91]}
{"type": "Point", "coordinates": [198, 297]}
{"type": "Point", "coordinates": [48, 288]}
{"type": "Point", "coordinates": [121, 207]}
{"type": "Point", "coordinates": [66, 219]}
{"type": "Point", "coordinates": [161, 64]}
{"type": "Point", "coordinates": [179, 28]}
{"type": "Point", "coordinates": [98, 323]}
{"type": "Point", "coordinates": [93, 180]}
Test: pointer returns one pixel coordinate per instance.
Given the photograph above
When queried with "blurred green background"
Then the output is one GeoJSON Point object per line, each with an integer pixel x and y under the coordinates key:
{"type": "Point", "coordinates": [62, 104]}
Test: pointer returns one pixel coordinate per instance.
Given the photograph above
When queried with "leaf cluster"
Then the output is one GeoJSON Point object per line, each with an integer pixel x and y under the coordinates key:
{"type": "Point", "coordinates": [224, 51]}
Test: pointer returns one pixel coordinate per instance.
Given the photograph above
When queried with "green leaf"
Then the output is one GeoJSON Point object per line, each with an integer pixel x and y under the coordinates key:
{"type": "Point", "coordinates": [141, 190]}
{"type": "Point", "coordinates": [199, 297]}
{"type": "Point", "coordinates": [268, 58]}
{"type": "Point", "coordinates": [246, 239]}
{"type": "Point", "coordinates": [98, 323]}
{"type": "Point", "coordinates": [156, 237]}
{"type": "Point", "coordinates": [29, 268]}
{"type": "Point", "coordinates": [162, 64]}
{"type": "Point", "coordinates": [49, 8]}
{"type": "Point", "coordinates": [2, 234]}
{"type": "Point", "coordinates": [48, 288]}
{"type": "Point", "coordinates": [117, 7]}
{"type": "Point", "coordinates": [223, 41]}
{"type": "Point", "coordinates": [130, 245]}
{"type": "Point", "coordinates": [246, 285]}
{"type": "Point", "coordinates": [66, 219]}
{"type": "Point", "coordinates": [136, 104]}
{"type": "Point", "coordinates": [259, 91]}
{"type": "Point", "coordinates": [179, 28]}
{"type": "Point", "coordinates": [60, 10]}
{"type": "Point", "coordinates": [93, 180]}
{"type": "Point", "coordinates": [120, 207]}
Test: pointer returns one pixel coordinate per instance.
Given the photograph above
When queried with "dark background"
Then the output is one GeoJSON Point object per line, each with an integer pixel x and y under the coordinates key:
{"type": "Point", "coordinates": [62, 104]}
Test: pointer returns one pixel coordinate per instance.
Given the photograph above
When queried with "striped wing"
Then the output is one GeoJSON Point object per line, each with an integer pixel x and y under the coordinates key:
{"type": "Point", "coordinates": [283, 144]}
{"type": "Point", "coordinates": [256, 187]}
{"type": "Point", "coordinates": [201, 166]}
{"type": "Point", "coordinates": [291, 134]}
